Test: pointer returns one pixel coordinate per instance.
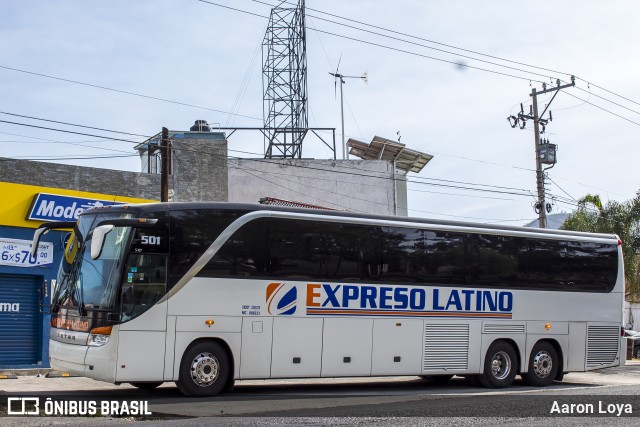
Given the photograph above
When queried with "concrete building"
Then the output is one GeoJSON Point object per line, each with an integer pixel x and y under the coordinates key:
{"type": "Point", "coordinates": [349, 185]}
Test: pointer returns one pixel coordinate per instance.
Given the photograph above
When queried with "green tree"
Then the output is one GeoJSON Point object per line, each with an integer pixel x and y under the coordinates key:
{"type": "Point", "coordinates": [621, 218]}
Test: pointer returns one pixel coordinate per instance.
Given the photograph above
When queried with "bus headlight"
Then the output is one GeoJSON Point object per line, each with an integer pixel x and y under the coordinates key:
{"type": "Point", "coordinates": [99, 336]}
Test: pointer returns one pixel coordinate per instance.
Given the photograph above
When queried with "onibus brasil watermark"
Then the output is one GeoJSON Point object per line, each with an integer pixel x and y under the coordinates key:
{"type": "Point", "coordinates": [82, 407]}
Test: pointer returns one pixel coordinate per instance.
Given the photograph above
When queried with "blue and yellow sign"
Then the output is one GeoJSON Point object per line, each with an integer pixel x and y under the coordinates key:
{"type": "Point", "coordinates": [29, 205]}
{"type": "Point", "coordinates": [56, 207]}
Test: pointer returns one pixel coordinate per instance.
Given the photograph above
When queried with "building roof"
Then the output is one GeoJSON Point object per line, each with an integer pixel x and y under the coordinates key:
{"type": "Point", "coordinates": [385, 149]}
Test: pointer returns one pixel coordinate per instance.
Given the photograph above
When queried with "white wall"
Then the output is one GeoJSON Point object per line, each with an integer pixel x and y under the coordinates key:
{"type": "Point", "coordinates": [351, 185]}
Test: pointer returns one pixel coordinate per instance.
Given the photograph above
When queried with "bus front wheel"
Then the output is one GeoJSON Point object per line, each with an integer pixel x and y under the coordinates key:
{"type": "Point", "coordinates": [543, 365]}
{"type": "Point", "coordinates": [204, 370]}
{"type": "Point", "coordinates": [500, 366]}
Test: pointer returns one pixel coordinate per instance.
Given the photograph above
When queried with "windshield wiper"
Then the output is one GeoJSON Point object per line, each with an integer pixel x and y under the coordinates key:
{"type": "Point", "coordinates": [80, 289]}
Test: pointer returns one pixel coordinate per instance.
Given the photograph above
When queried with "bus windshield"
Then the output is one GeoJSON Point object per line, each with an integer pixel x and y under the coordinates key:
{"type": "Point", "coordinates": [86, 283]}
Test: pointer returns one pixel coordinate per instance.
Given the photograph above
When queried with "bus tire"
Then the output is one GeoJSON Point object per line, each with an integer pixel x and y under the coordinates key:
{"type": "Point", "coordinates": [147, 386]}
{"type": "Point", "coordinates": [204, 370]}
{"type": "Point", "coordinates": [231, 383]}
{"type": "Point", "coordinates": [472, 380]}
{"type": "Point", "coordinates": [543, 365]}
{"type": "Point", "coordinates": [500, 366]}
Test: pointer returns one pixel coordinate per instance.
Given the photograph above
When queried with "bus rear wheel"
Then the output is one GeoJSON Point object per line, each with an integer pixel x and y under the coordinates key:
{"type": "Point", "coordinates": [500, 366]}
{"type": "Point", "coordinates": [543, 365]}
{"type": "Point", "coordinates": [204, 370]}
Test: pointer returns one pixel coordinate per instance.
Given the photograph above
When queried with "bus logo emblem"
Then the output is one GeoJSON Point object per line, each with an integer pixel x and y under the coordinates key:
{"type": "Point", "coordinates": [282, 299]}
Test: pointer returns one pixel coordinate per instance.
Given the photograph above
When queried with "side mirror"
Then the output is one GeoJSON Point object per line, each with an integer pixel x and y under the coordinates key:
{"type": "Point", "coordinates": [43, 229]}
{"type": "Point", "coordinates": [36, 240]}
{"type": "Point", "coordinates": [97, 241]}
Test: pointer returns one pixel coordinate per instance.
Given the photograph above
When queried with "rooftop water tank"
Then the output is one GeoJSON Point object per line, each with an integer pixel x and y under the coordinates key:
{"type": "Point", "coordinates": [200, 126]}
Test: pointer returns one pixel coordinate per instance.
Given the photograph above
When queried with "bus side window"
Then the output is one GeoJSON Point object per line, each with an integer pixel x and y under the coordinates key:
{"type": "Point", "coordinates": [351, 252]}
{"type": "Point", "coordinates": [295, 249]}
{"type": "Point", "coordinates": [145, 282]}
{"type": "Point", "coordinates": [243, 254]}
{"type": "Point", "coordinates": [494, 261]}
{"type": "Point", "coordinates": [590, 266]}
{"type": "Point", "coordinates": [192, 232]}
{"type": "Point", "coordinates": [403, 255]}
{"type": "Point", "coordinates": [546, 264]}
{"type": "Point", "coordinates": [445, 253]}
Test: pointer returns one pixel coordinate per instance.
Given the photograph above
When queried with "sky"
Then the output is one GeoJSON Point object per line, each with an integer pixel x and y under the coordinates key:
{"type": "Point", "coordinates": [448, 91]}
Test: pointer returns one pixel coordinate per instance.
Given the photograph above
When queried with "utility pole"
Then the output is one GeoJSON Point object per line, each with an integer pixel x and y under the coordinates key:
{"type": "Point", "coordinates": [164, 173]}
{"type": "Point", "coordinates": [541, 205]}
{"type": "Point", "coordinates": [542, 211]}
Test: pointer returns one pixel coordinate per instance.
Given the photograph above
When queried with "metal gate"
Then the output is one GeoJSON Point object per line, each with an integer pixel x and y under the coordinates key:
{"type": "Point", "coordinates": [20, 325]}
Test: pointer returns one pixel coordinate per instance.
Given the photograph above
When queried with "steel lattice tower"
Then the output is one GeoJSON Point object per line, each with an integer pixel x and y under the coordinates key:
{"type": "Point", "coordinates": [284, 80]}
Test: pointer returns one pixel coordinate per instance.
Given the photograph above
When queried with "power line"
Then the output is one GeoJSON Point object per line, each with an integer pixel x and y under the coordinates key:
{"type": "Point", "coordinates": [522, 192]}
{"type": "Point", "coordinates": [78, 144]}
{"type": "Point", "coordinates": [71, 132]}
{"type": "Point", "coordinates": [233, 8]}
{"type": "Point", "coordinates": [563, 190]}
{"type": "Point", "coordinates": [466, 50]}
{"type": "Point", "coordinates": [603, 109]}
{"type": "Point", "coordinates": [245, 152]}
{"type": "Point", "coordinates": [470, 183]}
{"type": "Point", "coordinates": [387, 47]}
{"type": "Point", "coordinates": [454, 53]}
{"type": "Point", "coordinates": [396, 179]}
{"type": "Point", "coordinates": [423, 39]}
{"type": "Point", "coordinates": [589, 186]}
{"type": "Point", "coordinates": [420, 44]}
{"type": "Point", "coordinates": [72, 124]}
{"type": "Point", "coordinates": [369, 201]}
{"type": "Point", "coordinates": [290, 189]}
{"type": "Point", "coordinates": [378, 186]}
{"type": "Point", "coordinates": [267, 161]}
{"type": "Point", "coordinates": [125, 92]}
{"type": "Point", "coordinates": [458, 64]}
{"type": "Point", "coordinates": [87, 157]}
{"type": "Point", "coordinates": [459, 194]}
{"type": "Point", "coordinates": [608, 100]}
{"type": "Point", "coordinates": [243, 86]}
{"type": "Point", "coordinates": [608, 91]}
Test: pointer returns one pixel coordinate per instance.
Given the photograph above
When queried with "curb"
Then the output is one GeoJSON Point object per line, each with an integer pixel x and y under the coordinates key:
{"type": "Point", "coordinates": [8, 377]}
{"type": "Point", "coordinates": [25, 372]}
{"type": "Point", "coordinates": [55, 374]}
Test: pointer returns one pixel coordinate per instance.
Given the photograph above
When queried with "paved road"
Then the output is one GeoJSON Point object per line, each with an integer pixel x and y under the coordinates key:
{"type": "Point", "coordinates": [385, 401]}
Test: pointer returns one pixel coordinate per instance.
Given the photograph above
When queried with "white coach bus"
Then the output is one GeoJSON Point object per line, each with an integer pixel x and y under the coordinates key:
{"type": "Point", "coordinates": [206, 293]}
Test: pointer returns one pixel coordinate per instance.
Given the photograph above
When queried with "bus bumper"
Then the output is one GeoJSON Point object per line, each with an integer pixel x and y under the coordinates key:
{"type": "Point", "coordinates": [98, 363]}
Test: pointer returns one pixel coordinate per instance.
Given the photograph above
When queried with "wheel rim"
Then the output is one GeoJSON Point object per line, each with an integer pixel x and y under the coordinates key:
{"type": "Point", "coordinates": [501, 365]}
{"type": "Point", "coordinates": [542, 364]}
{"type": "Point", "coordinates": [205, 369]}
